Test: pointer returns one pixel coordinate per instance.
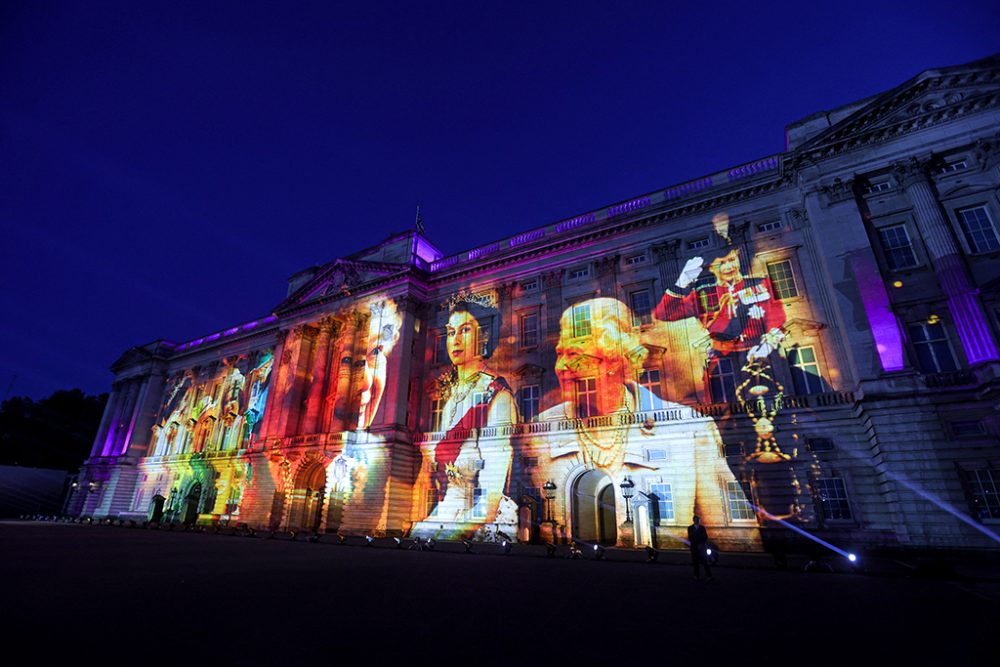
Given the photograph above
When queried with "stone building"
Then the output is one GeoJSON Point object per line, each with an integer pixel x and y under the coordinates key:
{"type": "Point", "coordinates": [807, 340]}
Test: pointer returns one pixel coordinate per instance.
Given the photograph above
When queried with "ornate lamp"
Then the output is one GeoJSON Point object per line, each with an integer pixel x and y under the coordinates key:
{"type": "Point", "coordinates": [628, 488]}
{"type": "Point", "coordinates": [550, 493]}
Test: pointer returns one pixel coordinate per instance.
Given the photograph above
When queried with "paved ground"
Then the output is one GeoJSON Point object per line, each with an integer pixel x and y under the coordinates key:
{"type": "Point", "coordinates": [152, 597]}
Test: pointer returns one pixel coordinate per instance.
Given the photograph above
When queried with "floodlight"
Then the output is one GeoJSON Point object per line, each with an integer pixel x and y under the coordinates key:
{"type": "Point", "coordinates": [369, 540]}
{"type": "Point", "coordinates": [314, 538]}
{"type": "Point", "coordinates": [430, 543]}
{"type": "Point", "coordinates": [399, 542]}
{"type": "Point", "coordinates": [598, 552]}
{"type": "Point", "coordinates": [507, 546]}
{"type": "Point", "coordinates": [341, 539]}
{"type": "Point", "coordinates": [550, 550]}
{"type": "Point", "coordinates": [852, 557]}
{"type": "Point", "coordinates": [652, 555]}
{"type": "Point", "coordinates": [708, 552]}
{"type": "Point", "coordinates": [468, 546]}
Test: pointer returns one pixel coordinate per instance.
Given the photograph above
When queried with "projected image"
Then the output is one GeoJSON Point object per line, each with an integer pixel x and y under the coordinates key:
{"type": "Point", "coordinates": [216, 408]}
{"type": "Point", "coordinates": [462, 490]}
{"type": "Point", "coordinates": [609, 428]}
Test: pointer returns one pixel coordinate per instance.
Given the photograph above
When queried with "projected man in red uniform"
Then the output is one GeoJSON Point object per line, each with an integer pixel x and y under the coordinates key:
{"type": "Point", "coordinates": [740, 313]}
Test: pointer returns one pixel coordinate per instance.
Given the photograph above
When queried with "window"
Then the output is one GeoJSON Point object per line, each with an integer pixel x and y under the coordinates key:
{"type": "Point", "coordinates": [529, 399]}
{"type": "Point", "coordinates": [437, 409]}
{"type": "Point", "coordinates": [878, 186]}
{"type": "Point", "coordinates": [983, 487]}
{"type": "Point", "coordinates": [897, 248]}
{"type": "Point", "coordinates": [978, 228]}
{"type": "Point", "coordinates": [432, 502]}
{"type": "Point", "coordinates": [586, 397]}
{"type": "Point", "coordinates": [642, 307]}
{"type": "Point", "coordinates": [441, 349]}
{"type": "Point", "coordinates": [771, 226]}
{"type": "Point", "coordinates": [664, 500]}
{"type": "Point", "coordinates": [650, 380]}
{"type": "Point", "coordinates": [479, 398]}
{"type": "Point", "coordinates": [930, 342]}
{"type": "Point", "coordinates": [967, 427]}
{"type": "Point", "coordinates": [529, 285]}
{"type": "Point", "coordinates": [721, 380]}
{"type": "Point", "coordinates": [479, 496]}
{"type": "Point", "coordinates": [635, 259]}
{"type": "Point", "coordinates": [698, 244]}
{"type": "Point", "coordinates": [782, 279]}
{"type": "Point", "coordinates": [529, 330]}
{"type": "Point", "coordinates": [733, 449]}
{"type": "Point", "coordinates": [740, 508]}
{"type": "Point", "coordinates": [656, 455]}
{"type": "Point", "coordinates": [805, 370]}
{"type": "Point", "coordinates": [820, 444]}
{"type": "Point", "coordinates": [953, 166]}
{"type": "Point", "coordinates": [483, 336]}
{"type": "Point", "coordinates": [832, 494]}
{"type": "Point", "coordinates": [581, 320]}
{"type": "Point", "coordinates": [578, 273]}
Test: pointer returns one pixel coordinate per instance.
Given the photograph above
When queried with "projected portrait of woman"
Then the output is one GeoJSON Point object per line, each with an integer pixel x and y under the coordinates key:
{"type": "Point", "coordinates": [599, 357]}
{"type": "Point", "coordinates": [465, 485]}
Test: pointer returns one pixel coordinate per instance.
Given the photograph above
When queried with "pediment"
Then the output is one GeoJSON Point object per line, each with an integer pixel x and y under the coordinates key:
{"type": "Point", "coordinates": [800, 325]}
{"type": "Point", "coordinates": [528, 370]}
{"type": "Point", "coordinates": [931, 97]}
{"type": "Point", "coordinates": [131, 357]}
{"type": "Point", "coordinates": [337, 280]}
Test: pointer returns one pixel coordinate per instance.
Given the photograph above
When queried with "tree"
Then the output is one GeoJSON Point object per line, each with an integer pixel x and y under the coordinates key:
{"type": "Point", "coordinates": [55, 432]}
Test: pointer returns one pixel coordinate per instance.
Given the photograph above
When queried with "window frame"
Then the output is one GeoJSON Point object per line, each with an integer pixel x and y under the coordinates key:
{"type": "Point", "coordinates": [733, 511]}
{"type": "Point", "coordinates": [537, 399]}
{"type": "Point", "coordinates": [522, 317]}
{"type": "Point", "coordinates": [795, 369]}
{"type": "Point", "coordinates": [887, 252]}
{"type": "Point", "coordinates": [791, 277]}
{"type": "Point", "coordinates": [641, 319]}
{"type": "Point", "coordinates": [964, 232]}
{"type": "Point", "coordinates": [709, 376]}
{"type": "Point", "coordinates": [660, 501]}
{"type": "Point", "coordinates": [825, 502]}
{"type": "Point", "coordinates": [946, 339]}
{"type": "Point", "coordinates": [577, 324]}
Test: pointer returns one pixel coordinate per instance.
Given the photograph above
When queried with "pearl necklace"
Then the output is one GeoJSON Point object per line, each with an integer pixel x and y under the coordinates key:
{"type": "Point", "coordinates": [604, 456]}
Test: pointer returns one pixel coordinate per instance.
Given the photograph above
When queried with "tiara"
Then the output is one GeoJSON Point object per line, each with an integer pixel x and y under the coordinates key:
{"type": "Point", "coordinates": [485, 299]}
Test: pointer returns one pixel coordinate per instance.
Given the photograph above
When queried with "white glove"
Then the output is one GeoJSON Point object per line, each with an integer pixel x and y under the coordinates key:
{"type": "Point", "coordinates": [691, 270]}
{"type": "Point", "coordinates": [759, 352]}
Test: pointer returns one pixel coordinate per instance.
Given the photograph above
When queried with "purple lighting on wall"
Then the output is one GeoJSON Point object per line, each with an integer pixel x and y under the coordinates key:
{"type": "Point", "coordinates": [975, 334]}
{"type": "Point", "coordinates": [687, 188]}
{"type": "Point", "coordinates": [767, 164]}
{"type": "Point", "coordinates": [575, 222]}
{"type": "Point", "coordinates": [885, 330]}
{"type": "Point", "coordinates": [526, 237]}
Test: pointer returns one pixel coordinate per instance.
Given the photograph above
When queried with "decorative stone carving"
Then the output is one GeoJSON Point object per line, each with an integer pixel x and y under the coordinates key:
{"type": "Point", "coordinates": [552, 279]}
{"type": "Point", "coordinates": [666, 250]}
{"type": "Point", "coordinates": [606, 265]}
{"type": "Point", "coordinates": [909, 171]}
{"type": "Point", "coordinates": [837, 191]}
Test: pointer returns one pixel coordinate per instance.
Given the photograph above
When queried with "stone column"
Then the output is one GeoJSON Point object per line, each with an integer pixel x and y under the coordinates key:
{"type": "Point", "coordinates": [107, 419]}
{"type": "Point", "coordinates": [279, 371]}
{"type": "Point", "coordinates": [503, 351]}
{"type": "Point", "coordinates": [123, 418]}
{"type": "Point", "coordinates": [320, 364]}
{"type": "Point", "coordinates": [607, 270]}
{"type": "Point", "coordinates": [552, 286]}
{"type": "Point", "coordinates": [289, 403]}
{"type": "Point", "coordinates": [666, 263]}
{"type": "Point", "coordinates": [964, 303]}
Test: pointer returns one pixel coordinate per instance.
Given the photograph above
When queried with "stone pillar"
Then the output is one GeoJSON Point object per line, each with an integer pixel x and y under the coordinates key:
{"type": "Point", "coordinates": [503, 352]}
{"type": "Point", "coordinates": [320, 369]}
{"type": "Point", "coordinates": [552, 286]}
{"type": "Point", "coordinates": [122, 419]}
{"type": "Point", "coordinates": [667, 265]}
{"type": "Point", "coordinates": [140, 420]}
{"type": "Point", "coordinates": [966, 308]}
{"type": "Point", "coordinates": [291, 381]}
{"type": "Point", "coordinates": [107, 419]}
{"type": "Point", "coordinates": [607, 270]}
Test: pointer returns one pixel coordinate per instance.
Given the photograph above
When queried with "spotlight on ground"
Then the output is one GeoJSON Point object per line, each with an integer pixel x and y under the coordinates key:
{"type": "Point", "coordinates": [852, 557]}
{"type": "Point", "coordinates": [507, 546]}
{"type": "Point", "coordinates": [652, 555]}
{"type": "Point", "coordinates": [430, 543]}
{"type": "Point", "coordinates": [399, 542]}
{"type": "Point", "coordinates": [468, 546]}
{"type": "Point", "coordinates": [550, 550]}
{"type": "Point", "coordinates": [369, 540]}
{"type": "Point", "coordinates": [598, 552]}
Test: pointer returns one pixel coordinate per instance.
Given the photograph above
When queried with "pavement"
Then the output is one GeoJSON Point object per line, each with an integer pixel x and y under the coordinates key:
{"type": "Point", "coordinates": [123, 595]}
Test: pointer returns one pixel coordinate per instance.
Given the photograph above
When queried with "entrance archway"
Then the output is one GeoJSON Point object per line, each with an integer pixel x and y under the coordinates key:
{"type": "Point", "coordinates": [594, 518]}
{"type": "Point", "coordinates": [306, 510]}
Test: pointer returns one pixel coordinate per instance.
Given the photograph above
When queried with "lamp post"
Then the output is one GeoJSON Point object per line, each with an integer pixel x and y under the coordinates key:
{"type": "Point", "coordinates": [628, 488]}
{"type": "Point", "coordinates": [550, 493]}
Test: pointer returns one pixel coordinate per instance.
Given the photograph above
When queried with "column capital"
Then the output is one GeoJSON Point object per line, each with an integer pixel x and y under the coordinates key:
{"type": "Point", "coordinates": [987, 152]}
{"type": "Point", "coordinates": [910, 171]}
{"type": "Point", "coordinates": [666, 250]}
{"type": "Point", "coordinates": [552, 279]}
{"type": "Point", "coordinates": [607, 265]}
{"type": "Point", "coordinates": [838, 190]}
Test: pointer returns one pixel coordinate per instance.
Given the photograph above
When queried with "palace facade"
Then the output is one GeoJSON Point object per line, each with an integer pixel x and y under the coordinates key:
{"type": "Point", "coordinates": [807, 343]}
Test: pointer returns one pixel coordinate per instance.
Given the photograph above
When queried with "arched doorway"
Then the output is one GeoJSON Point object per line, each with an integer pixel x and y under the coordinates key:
{"type": "Point", "coordinates": [594, 518]}
{"type": "Point", "coordinates": [191, 502]}
{"type": "Point", "coordinates": [306, 510]}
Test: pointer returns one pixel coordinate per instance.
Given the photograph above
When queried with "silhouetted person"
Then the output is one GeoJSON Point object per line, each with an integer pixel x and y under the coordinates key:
{"type": "Point", "coordinates": [698, 541]}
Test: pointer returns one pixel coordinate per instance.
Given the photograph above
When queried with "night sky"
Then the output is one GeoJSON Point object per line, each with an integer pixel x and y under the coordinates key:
{"type": "Point", "coordinates": [164, 167]}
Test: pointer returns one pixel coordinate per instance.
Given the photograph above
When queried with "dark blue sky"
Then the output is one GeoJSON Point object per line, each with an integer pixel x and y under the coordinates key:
{"type": "Point", "coordinates": [164, 167]}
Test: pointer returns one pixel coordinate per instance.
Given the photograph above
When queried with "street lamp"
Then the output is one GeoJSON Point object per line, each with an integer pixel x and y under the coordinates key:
{"type": "Point", "coordinates": [550, 493]}
{"type": "Point", "coordinates": [628, 488]}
